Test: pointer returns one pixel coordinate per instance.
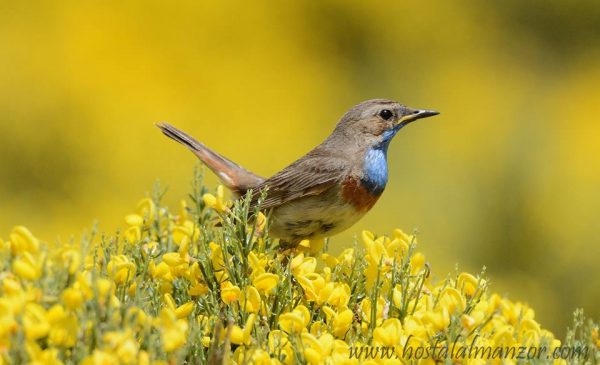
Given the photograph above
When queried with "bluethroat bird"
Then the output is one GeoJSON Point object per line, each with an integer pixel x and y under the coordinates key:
{"type": "Point", "coordinates": [331, 187]}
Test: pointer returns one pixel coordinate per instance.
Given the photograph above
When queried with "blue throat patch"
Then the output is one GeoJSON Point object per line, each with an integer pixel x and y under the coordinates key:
{"type": "Point", "coordinates": [375, 164]}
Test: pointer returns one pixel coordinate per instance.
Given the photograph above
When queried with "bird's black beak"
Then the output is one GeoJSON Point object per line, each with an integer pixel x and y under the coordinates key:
{"type": "Point", "coordinates": [414, 114]}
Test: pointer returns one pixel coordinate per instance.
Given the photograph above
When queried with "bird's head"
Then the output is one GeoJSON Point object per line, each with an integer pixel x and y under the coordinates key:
{"type": "Point", "coordinates": [375, 122]}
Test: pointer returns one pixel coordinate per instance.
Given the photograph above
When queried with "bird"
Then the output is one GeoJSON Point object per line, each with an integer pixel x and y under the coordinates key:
{"type": "Point", "coordinates": [332, 186]}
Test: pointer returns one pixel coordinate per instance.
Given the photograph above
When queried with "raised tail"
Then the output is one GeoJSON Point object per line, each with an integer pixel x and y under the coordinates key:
{"type": "Point", "coordinates": [235, 177]}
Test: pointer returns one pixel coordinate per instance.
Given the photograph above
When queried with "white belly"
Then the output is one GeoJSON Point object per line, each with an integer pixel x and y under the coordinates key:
{"type": "Point", "coordinates": [312, 217]}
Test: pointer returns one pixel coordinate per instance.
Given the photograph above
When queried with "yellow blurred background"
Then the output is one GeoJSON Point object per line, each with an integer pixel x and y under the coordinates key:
{"type": "Point", "coordinates": [507, 177]}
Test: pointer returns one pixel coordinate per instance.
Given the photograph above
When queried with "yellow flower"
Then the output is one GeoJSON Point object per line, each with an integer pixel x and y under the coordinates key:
{"type": "Point", "coordinates": [216, 256]}
{"type": "Point", "coordinates": [120, 269]}
{"type": "Point", "coordinates": [27, 267]}
{"type": "Point", "coordinates": [406, 239]}
{"type": "Point", "coordinates": [184, 310]}
{"type": "Point", "coordinates": [134, 220]}
{"type": "Point", "coordinates": [137, 316]}
{"type": "Point", "coordinates": [173, 259]}
{"type": "Point", "coordinates": [294, 321]}
{"type": "Point", "coordinates": [198, 289]}
{"type": "Point", "coordinates": [278, 342]}
{"type": "Point", "coordinates": [105, 290]}
{"type": "Point", "coordinates": [451, 299]}
{"type": "Point", "coordinates": [8, 323]}
{"type": "Point", "coordinates": [221, 276]}
{"type": "Point", "coordinates": [84, 284]}
{"type": "Point", "coordinates": [376, 250]}
{"type": "Point", "coordinates": [72, 298]}
{"type": "Point", "coordinates": [342, 322]}
{"type": "Point", "coordinates": [256, 263]}
{"type": "Point", "coordinates": [260, 357]}
{"type": "Point", "coordinates": [389, 333]}
{"type": "Point", "coordinates": [378, 260]}
{"type": "Point", "coordinates": [133, 234]}
{"type": "Point", "coordinates": [596, 337]}
{"type": "Point", "coordinates": [216, 202]}
{"type": "Point", "coordinates": [63, 326]}
{"type": "Point", "coordinates": [183, 211]}
{"type": "Point", "coordinates": [34, 321]}
{"type": "Point", "coordinates": [261, 222]}
{"type": "Point", "coordinates": [340, 354]}
{"type": "Point", "coordinates": [417, 263]}
{"type": "Point", "coordinates": [173, 331]}
{"type": "Point", "coordinates": [150, 249]}
{"type": "Point", "coordinates": [67, 257]}
{"type": "Point", "coordinates": [265, 282]}
{"type": "Point", "coordinates": [311, 283]}
{"type": "Point", "coordinates": [160, 271]}
{"type": "Point", "coordinates": [250, 299]}
{"type": "Point", "coordinates": [366, 307]}
{"type": "Point", "coordinates": [468, 322]}
{"type": "Point", "coordinates": [468, 284]}
{"type": "Point", "coordinates": [330, 312]}
{"type": "Point", "coordinates": [169, 301]}
{"type": "Point", "coordinates": [399, 246]}
{"type": "Point", "coordinates": [504, 336]}
{"type": "Point", "coordinates": [338, 296]}
{"type": "Point", "coordinates": [99, 357]}
{"type": "Point", "coordinates": [303, 265]}
{"type": "Point", "coordinates": [22, 240]}
{"type": "Point", "coordinates": [330, 260]}
{"type": "Point", "coordinates": [146, 209]}
{"type": "Point", "coordinates": [242, 336]}
{"type": "Point", "coordinates": [128, 350]}
{"type": "Point", "coordinates": [415, 327]}
{"type": "Point", "coordinates": [184, 246]}
{"type": "Point", "coordinates": [229, 292]}
{"type": "Point", "coordinates": [439, 319]}
{"type": "Point", "coordinates": [317, 350]}
{"type": "Point", "coordinates": [182, 232]}
{"type": "Point", "coordinates": [344, 260]}
{"type": "Point", "coordinates": [123, 344]}
{"type": "Point", "coordinates": [38, 356]}
{"type": "Point", "coordinates": [11, 287]}
{"type": "Point", "coordinates": [311, 246]}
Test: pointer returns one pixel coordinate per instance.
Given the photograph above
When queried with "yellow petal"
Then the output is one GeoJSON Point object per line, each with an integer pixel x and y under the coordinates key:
{"type": "Point", "coordinates": [229, 292]}
{"type": "Point", "coordinates": [34, 321]}
{"type": "Point", "coordinates": [147, 209]}
{"type": "Point", "coordinates": [173, 259]}
{"type": "Point", "coordinates": [184, 310]}
{"type": "Point", "coordinates": [342, 323]}
{"type": "Point", "coordinates": [467, 283]}
{"type": "Point", "coordinates": [72, 298]}
{"type": "Point", "coordinates": [25, 267]}
{"type": "Point", "coordinates": [237, 335]}
{"type": "Point", "coordinates": [389, 333]}
{"type": "Point", "coordinates": [266, 282]}
{"type": "Point", "coordinates": [21, 239]}
{"type": "Point", "coordinates": [250, 298]}
{"type": "Point", "coordinates": [291, 322]}
{"type": "Point", "coordinates": [134, 220]}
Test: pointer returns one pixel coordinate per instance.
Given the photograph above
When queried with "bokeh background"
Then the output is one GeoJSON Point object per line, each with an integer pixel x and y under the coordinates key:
{"type": "Point", "coordinates": [508, 176]}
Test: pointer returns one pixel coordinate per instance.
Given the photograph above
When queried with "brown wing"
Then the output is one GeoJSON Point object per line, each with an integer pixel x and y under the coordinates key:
{"type": "Point", "coordinates": [311, 175]}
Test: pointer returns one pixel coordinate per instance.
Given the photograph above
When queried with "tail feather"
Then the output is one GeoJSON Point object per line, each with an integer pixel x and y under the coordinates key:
{"type": "Point", "coordinates": [235, 177]}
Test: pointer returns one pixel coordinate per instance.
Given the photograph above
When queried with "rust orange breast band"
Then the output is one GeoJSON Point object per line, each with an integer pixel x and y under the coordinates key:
{"type": "Point", "coordinates": [356, 194]}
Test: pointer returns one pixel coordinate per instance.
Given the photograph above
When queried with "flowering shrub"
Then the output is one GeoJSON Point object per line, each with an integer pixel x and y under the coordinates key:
{"type": "Point", "coordinates": [208, 285]}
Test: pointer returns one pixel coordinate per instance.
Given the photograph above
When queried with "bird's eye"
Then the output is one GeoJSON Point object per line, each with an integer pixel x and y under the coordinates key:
{"type": "Point", "coordinates": [386, 114]}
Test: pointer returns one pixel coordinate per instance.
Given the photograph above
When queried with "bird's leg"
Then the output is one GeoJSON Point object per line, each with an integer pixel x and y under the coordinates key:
{"type": "Point", "coordinates": [287, 245]}
{"type": "Point", "coordinates": [287, 250]}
